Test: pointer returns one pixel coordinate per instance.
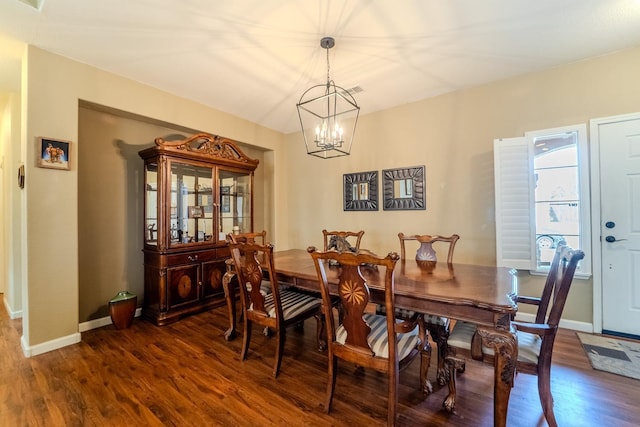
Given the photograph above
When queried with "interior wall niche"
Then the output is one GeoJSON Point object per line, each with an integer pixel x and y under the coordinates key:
{"type": "Point", "coordinates": [110, 202]}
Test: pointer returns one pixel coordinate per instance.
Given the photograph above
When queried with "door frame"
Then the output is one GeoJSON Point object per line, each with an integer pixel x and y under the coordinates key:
{"type": "Point", "coordinates": [596, 241]}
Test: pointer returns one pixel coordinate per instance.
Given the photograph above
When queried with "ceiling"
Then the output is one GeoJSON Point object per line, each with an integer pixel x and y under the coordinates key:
{"type": "Point", "coordinates": [255, 58]}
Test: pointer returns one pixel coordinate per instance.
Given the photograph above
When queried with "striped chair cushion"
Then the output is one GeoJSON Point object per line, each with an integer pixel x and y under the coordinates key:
{"type": "Point", "coordinates": [378, 339]}
{"type": "Point", "coordinates": [293, 303]}
{"type": "Point", "coordinates": [437, 320]}
{"type": "Point", "coordinates": [528, 344]}
{"type": "Point", "coordinates": [402, 313]}
{"type": "Point", "coordinates": [265, 287]}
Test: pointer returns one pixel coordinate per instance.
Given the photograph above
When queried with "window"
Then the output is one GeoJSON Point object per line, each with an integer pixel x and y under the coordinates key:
{"type": "Point", "coordinates": [542, 197]}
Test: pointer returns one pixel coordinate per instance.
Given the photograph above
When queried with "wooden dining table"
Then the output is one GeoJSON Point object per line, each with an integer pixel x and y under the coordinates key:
{"type": "Point", "coordinates": [484, 295]}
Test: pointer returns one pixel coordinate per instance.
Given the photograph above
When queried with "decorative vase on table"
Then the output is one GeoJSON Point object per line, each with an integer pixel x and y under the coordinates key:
{"type": "Point", "coordinates": [425, 252]}
{"type": "Point", "coordinates": [122, 309]}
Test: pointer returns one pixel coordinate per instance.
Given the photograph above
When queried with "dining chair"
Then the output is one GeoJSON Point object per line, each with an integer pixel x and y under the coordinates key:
{"type": "Point", "coordinates": [425, 251]}
{"type": "Point", "coordinates": [259, 237]}
{"type": "Point", "coordinates": [437, 326]}
{"type": "Point", "coordinates": [342, 240]}
{"type": "Point", "coordinates": [381, 343]}
{"type": "Point", "coordinates": [278, 309]}
{"type": "Point", "coordinates": [252, 237]}
{"type": "Point", "coordinates": [535, 340]}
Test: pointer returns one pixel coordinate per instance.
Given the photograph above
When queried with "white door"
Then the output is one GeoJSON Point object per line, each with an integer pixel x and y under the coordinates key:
{"type": "Point", "coordinates": [620, 225]}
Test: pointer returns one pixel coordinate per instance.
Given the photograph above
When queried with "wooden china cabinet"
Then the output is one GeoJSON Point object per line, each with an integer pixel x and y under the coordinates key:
{"type": "Point", "coordinates": [197, 191]}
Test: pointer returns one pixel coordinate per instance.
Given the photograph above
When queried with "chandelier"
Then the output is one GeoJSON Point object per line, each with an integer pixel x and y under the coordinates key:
{"type": "Point", "coordinates": [328, 116]}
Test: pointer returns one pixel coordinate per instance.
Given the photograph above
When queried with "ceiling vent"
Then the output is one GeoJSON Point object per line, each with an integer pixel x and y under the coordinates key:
{"type": "Point", "coordinates": [355, 89]}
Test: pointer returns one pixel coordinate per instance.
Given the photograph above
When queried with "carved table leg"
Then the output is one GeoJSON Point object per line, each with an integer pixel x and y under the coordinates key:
{"type": "Point", "coordinates": [228, 284]}
{"type": "Point", "coordinates": [440, 334]}
{"type": "Point", "coordinates": [453, 365]}
{"type": "Point", "coordinates": [505, 345]}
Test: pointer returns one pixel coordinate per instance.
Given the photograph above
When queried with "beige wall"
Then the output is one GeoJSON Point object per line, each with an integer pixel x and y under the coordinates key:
{"type": "Point", "coordinates": [12, 206]}
{"type": "Point", "coordinates": [11, 155]}
{"type": "Point", "coordinates": [451, 135]}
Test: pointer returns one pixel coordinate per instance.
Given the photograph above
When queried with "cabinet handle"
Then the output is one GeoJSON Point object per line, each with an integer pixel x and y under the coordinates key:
{"type": "Point", "coordinates": [192, 258]}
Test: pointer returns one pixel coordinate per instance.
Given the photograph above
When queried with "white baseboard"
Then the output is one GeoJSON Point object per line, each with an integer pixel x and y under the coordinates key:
{"type": "Point", "coordinates": [69, 339]}
{"type": "Point", "coordinates": [49, 345]}
{"type": "Point", "coordinates": [12, 314]}
{"type": "Point", "coordinates": [567, 324]}
{"type": "Point", "coordinates": [103, 321]}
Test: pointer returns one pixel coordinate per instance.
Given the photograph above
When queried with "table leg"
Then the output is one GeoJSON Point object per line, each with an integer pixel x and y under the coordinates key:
{"type": "Point", "coordinates": [439, 334]}
{"type": "Point", "coordinates": [228, 284]}
{"type": "Point", "coordinates": [505, 345]}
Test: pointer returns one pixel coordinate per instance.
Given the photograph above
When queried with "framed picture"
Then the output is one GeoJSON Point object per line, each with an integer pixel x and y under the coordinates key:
{"type": "Point", "coordinates": [361, 191]}
{"type": "Point", "coordinates": [404, 188]}
{"type": "Point", "coordinates": [195, 212]}
{"type": "Point", "coordinates": [54, 153]}
{"type": "Point", "coordinates": [225, 203]}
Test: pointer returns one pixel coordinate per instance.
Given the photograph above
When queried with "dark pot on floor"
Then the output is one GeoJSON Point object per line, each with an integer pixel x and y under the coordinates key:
{"type": "Point", "coordinates": [122, 309]}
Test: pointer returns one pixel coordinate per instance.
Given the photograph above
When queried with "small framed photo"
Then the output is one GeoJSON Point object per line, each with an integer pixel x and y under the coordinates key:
{"type": "Point", "coordinates": [54, 153]}
{"type": "Point", "coordinates": [195, 212]}
{"type": "Point", "coordinates": [225, 205]}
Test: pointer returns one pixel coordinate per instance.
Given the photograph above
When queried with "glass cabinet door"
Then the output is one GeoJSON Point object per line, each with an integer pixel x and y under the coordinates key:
{"type": "Point", "coordinates": [235, 203]}
{"type": "Point", "coordinates": [151, 204]}
{"type": "Point", "coordinates": [191, 204]}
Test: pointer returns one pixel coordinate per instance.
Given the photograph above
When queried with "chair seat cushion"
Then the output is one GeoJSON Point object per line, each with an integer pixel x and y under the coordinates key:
{"type": "Point", "coordinates": [265, 287]}
{"type": "Point", "coordinates": [378, 339]}
{"type": "Point", "coordinates": [293, 303]}
{"type": "Point", "coordinates": [402, 313]}
{"type": "Point", "coordinates": [528, 344]}
{"type": "Point", "coordinates": [437, 320]}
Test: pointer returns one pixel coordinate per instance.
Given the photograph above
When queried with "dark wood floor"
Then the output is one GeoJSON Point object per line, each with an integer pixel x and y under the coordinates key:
{"type": "Point", "coordinates": [187, 374]}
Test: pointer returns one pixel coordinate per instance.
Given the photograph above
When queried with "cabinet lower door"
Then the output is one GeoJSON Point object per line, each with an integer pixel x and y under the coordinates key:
{"type": "Point", "coordinates": [182, 284]}
{"type": "Point", "coordinates": [212, 273]}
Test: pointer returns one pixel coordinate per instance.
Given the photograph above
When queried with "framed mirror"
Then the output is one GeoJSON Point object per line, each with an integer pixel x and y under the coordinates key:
{"type": "Point", "coordinates": [404, 188]}
{"type": "Point", "coordinates": [361, 191]}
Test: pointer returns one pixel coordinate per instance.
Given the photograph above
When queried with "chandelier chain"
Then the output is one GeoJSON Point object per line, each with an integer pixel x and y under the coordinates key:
{"type": "Point", "coordinates": [328, 75]}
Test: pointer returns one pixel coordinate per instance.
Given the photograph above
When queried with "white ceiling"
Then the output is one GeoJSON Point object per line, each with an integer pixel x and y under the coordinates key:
{"type": "Point", "coordinates": [254, 58]}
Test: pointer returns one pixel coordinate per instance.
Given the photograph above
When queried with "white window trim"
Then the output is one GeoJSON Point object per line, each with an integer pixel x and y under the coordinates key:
{"type": "Point", "coordinates": [515, 212]}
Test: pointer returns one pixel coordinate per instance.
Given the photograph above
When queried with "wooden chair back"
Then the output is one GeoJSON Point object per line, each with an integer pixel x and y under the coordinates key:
{"type": "Point", "coordinates": [427, 238]}
{"type": "Point", "coordinates": [253, 263]}
{"type": "Point", "coordinates": [535, 340]}
{"type": "Point", "coordinates": [550, 304]}
{"type": "Point", "coordinates": [350, 338]}
{"type": "Point", "coordinates": [257, 237]}
{"type": "Point", "coordinates": [353, 238]}
{"type": "Point", "coordinates": [275, 307]}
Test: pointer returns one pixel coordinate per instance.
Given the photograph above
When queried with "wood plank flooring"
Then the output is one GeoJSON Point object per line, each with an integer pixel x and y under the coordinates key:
{"type": "Point", "coordinates": [186, 374]}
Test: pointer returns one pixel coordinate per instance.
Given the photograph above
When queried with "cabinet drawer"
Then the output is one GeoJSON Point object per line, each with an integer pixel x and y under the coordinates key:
{"type": "Point", "coordinates": [223, 252]}
{"type": "Point", "coordinates": [190, 257]}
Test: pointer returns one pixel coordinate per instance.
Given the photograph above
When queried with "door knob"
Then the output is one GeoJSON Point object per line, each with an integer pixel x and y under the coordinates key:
{"type": "Point", "coordinates": [610, 224]}
{"type": "Point", "coordinates": [612, 239]}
